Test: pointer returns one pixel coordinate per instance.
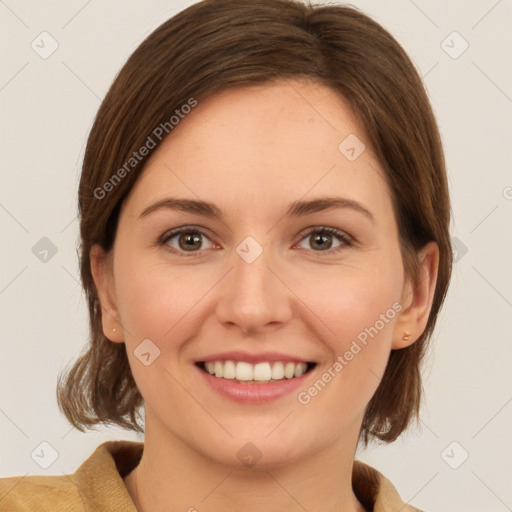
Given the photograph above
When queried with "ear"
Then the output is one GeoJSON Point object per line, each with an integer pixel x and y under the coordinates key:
{"type": "Point", "coordinates": [417, 299]}
{"type": "Point", "coordinates": [101, 269]}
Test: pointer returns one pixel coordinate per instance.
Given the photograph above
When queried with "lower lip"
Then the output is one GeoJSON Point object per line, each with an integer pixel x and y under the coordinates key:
{"type": "Point", "coordinates": [253, 393]}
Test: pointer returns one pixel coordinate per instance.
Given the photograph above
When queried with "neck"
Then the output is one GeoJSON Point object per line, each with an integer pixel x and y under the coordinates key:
{"type": "Point", "coordinates": [173, 476]}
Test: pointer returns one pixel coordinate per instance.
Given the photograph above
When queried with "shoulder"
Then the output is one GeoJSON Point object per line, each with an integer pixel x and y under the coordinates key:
{"type": "Point", "coordinates": [96, 485]}
{"type": "Point", "coordinates": [375, 491]}
{"type": "Point", "coordinates": [41, 493]}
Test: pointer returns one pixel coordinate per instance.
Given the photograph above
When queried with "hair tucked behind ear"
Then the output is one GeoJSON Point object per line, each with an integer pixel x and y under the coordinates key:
{"type": "Point", "coordinates": [218, 44]}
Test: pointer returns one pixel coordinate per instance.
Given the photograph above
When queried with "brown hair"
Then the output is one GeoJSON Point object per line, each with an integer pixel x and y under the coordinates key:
{"type": "Point", "coordinates": [218, 44]}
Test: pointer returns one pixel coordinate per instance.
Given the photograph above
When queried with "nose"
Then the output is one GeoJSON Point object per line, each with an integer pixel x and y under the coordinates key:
{"type": "Point", "coordinates": [254, 296]}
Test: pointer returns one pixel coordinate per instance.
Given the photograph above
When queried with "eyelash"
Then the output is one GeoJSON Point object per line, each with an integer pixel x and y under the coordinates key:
{"type": "Point", "coordinates": [343, 237]}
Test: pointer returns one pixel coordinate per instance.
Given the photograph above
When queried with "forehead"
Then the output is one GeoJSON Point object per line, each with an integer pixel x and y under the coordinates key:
{"type": "Point", "coordinates": [272, 142]}
{"type": "Point", "coordinates": [276, 118]}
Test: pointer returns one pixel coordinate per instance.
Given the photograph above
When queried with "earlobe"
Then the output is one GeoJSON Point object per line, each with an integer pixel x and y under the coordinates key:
{"type": "Point", "coordinates": [417, 299]}
{"type": "Point", "coordinates": [102, 276]}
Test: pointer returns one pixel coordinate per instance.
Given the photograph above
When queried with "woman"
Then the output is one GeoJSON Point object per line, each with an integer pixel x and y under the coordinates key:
{"type": "Point", "coordinates": [265, 249]}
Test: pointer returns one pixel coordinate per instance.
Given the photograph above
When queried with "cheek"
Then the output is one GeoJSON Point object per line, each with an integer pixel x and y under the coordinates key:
{"type": "Point", "coordinates": [349, 301]}
{"type": "Point", "coordinates": [154, 297]}
{"type": "Point", "coordinates": [364, 311]}
{"type": "Point", "coordinates": [356, 313]}
{"type": "Point", "coordinates": [156, 302]}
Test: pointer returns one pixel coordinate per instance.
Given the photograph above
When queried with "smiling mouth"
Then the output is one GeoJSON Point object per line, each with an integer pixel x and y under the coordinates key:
{"type": "Point", "coordinates": [244, 372]}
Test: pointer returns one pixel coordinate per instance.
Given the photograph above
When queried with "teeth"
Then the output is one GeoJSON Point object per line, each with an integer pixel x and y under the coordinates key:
{"type": "Point", "coordinates": [289, 370]}
{"type": "Point", "coordinates": [244, 371]}
{"type": "Point", "coordinates": [300, 369]}
{"type": "Point", "coordinates": [229, 371]}
{"type": "Point", "coordinates": [259, 372]}
{"type": "Point", "coordinates": [278, 370]}
{"type": "Point", "coordinates": [262, 371]}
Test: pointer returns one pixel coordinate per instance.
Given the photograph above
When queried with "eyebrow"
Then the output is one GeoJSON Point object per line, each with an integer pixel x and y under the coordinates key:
{"type": "Point", "coordinates": [295, 209]}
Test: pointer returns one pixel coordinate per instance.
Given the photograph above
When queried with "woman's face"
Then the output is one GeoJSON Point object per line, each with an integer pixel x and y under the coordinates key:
{"type": "Point", "coordinates": [258, 284]}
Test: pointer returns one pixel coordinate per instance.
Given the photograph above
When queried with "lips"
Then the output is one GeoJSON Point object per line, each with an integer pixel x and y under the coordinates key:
{"type": "Point", "coordinates": [254, 378]}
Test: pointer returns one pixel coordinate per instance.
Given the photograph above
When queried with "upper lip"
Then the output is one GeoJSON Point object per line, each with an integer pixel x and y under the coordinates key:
{"type": "Point", "coordinates": [260, 357]}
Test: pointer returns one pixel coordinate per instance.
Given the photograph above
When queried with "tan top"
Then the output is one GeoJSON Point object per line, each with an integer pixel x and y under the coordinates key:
{"type": "Point", "coordinates": [97, 485]}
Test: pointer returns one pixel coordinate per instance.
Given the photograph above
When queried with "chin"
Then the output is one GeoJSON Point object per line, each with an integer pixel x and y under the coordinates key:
{"type": "Point", "coordinates": [257, 449]}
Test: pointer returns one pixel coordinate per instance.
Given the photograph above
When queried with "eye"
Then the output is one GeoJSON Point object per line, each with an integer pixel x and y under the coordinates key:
{"type": "Point", "coordinates": [322, 238]}
{"type": "Point", "coordinates": [187, 239]}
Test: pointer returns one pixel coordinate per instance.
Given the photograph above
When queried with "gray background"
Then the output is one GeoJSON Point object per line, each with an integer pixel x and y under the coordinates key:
{"type": "Point", "coordinates": [47, 109]}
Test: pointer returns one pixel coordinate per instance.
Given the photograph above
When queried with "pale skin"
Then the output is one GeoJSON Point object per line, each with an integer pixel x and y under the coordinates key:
{"type": "Point", "coordinates": [252, 151]}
